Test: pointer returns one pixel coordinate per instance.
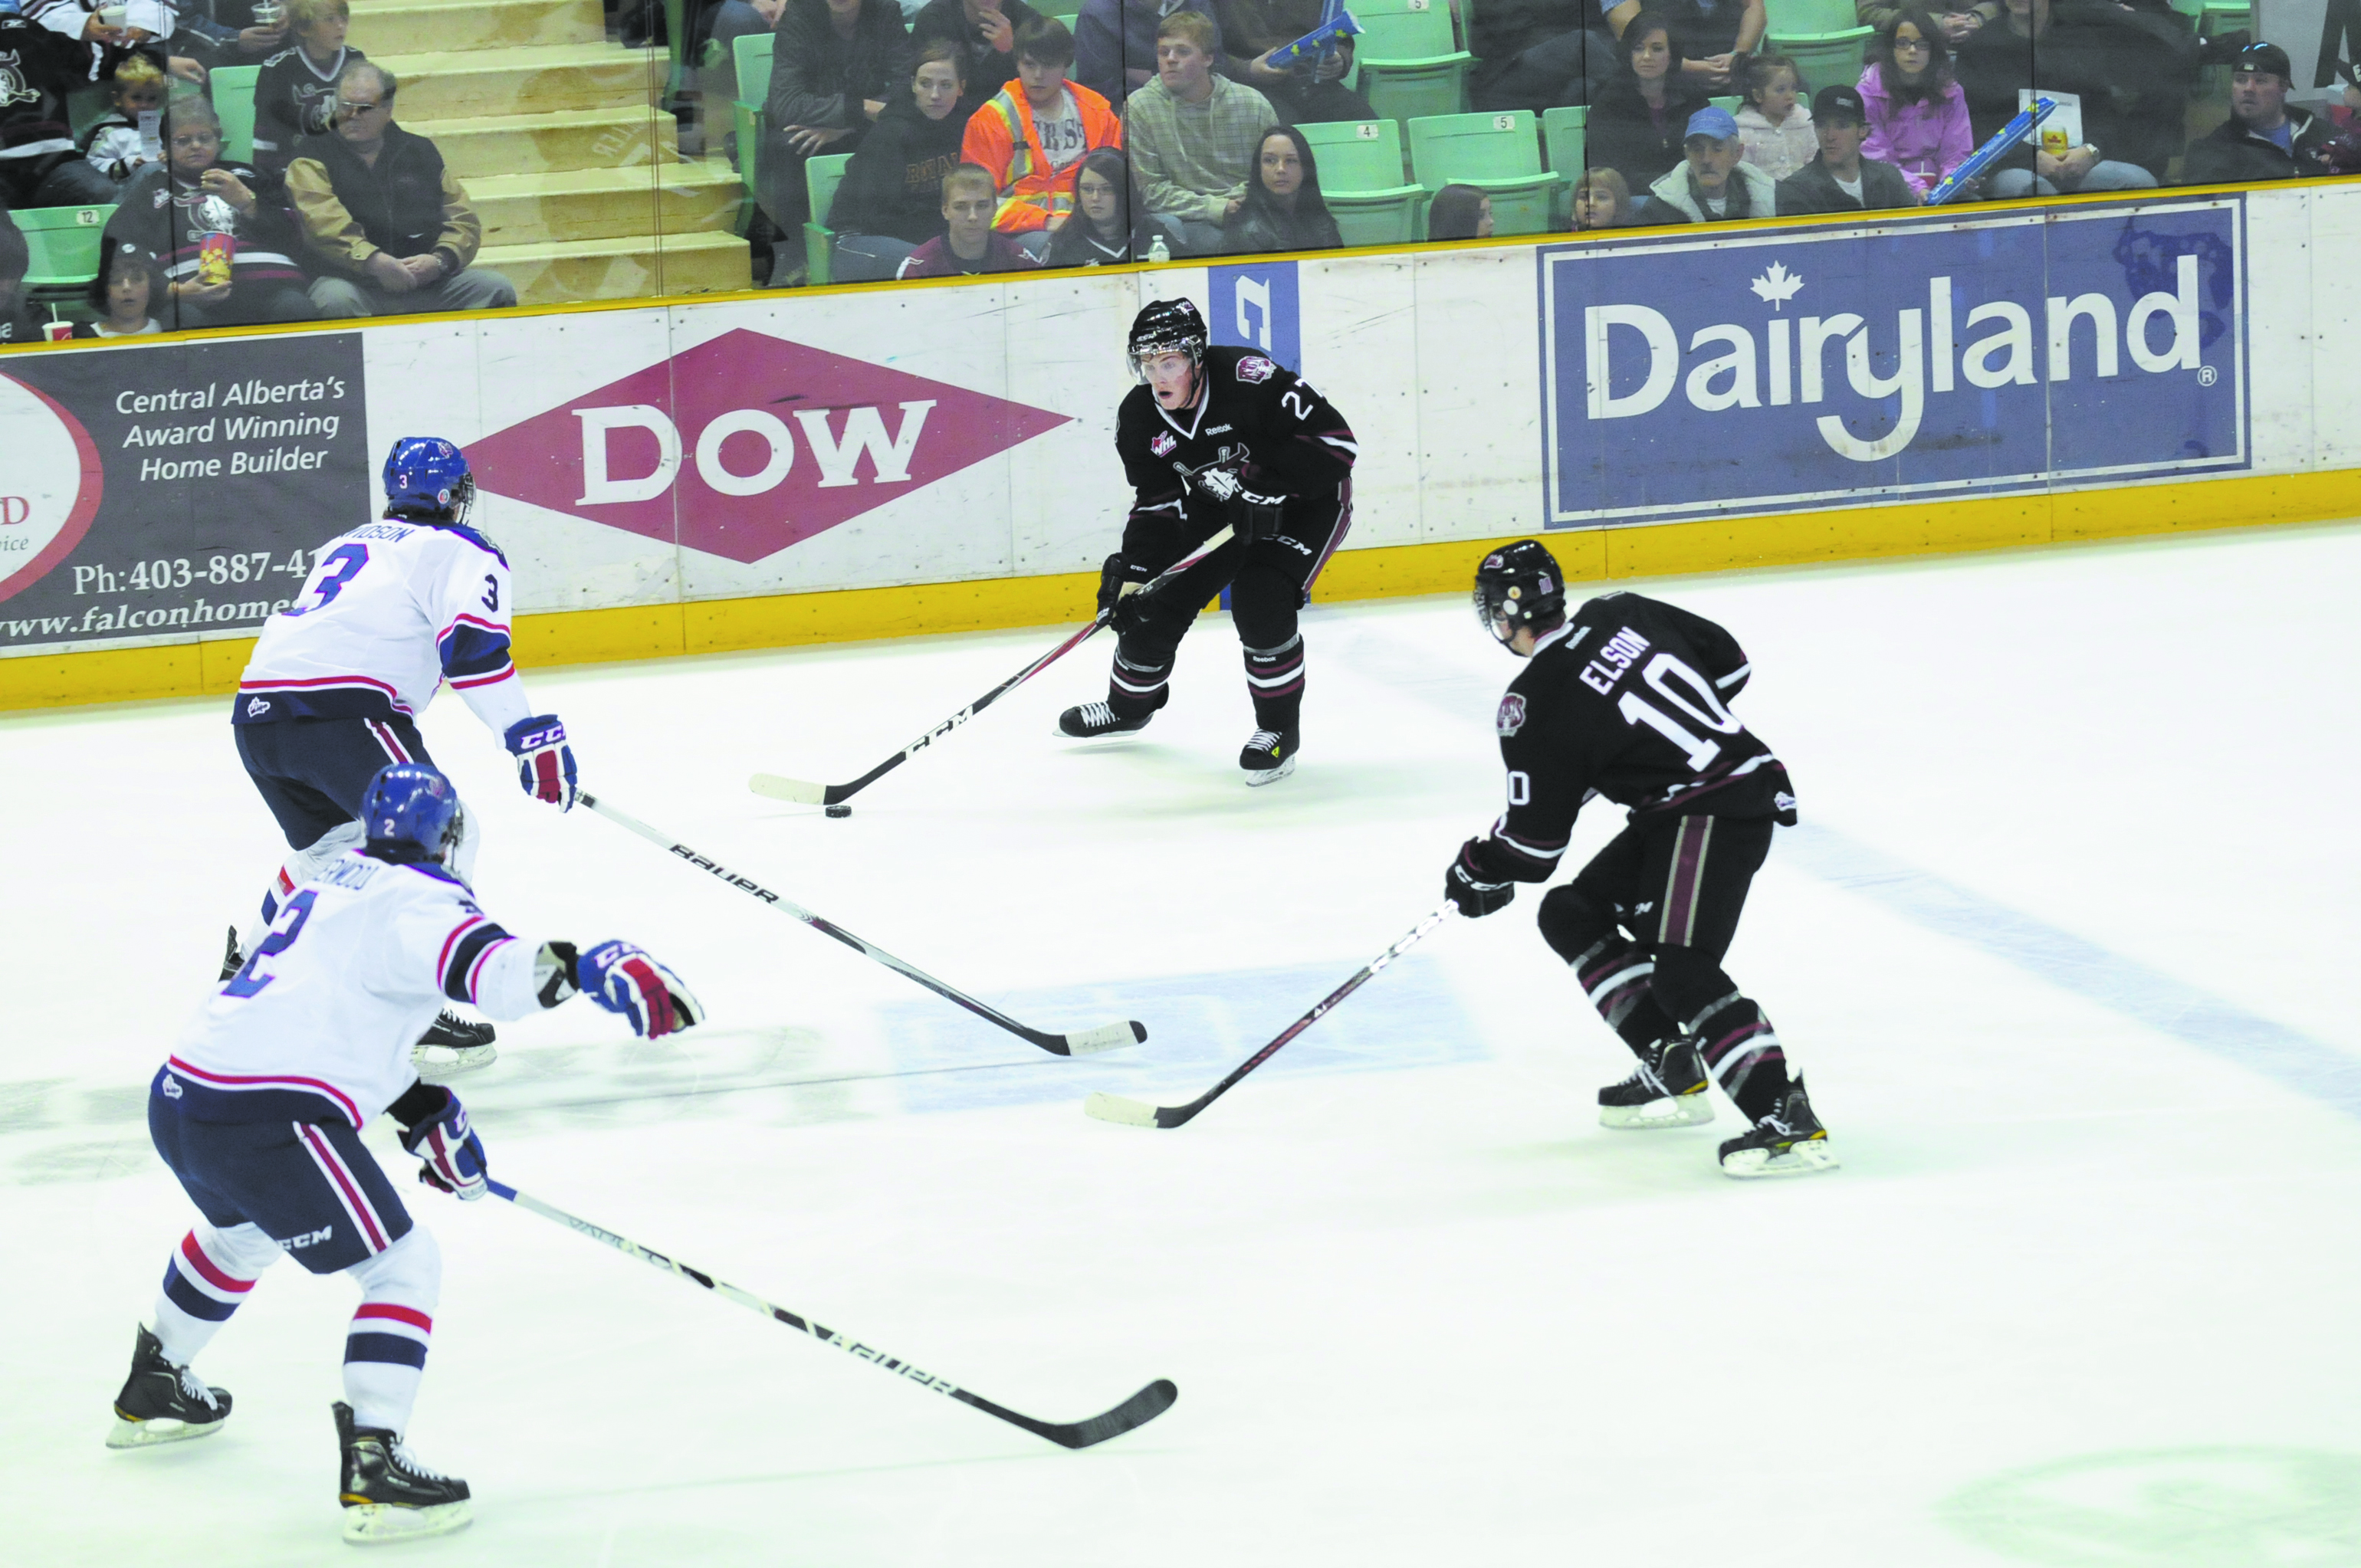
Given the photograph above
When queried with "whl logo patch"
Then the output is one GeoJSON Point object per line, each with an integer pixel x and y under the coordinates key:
{"type": "Point", "coordinates": [749, 443]}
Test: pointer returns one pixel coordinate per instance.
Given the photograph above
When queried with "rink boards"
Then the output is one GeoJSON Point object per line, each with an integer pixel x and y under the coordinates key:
{"type": "Point", "coordinates": [758, 470]}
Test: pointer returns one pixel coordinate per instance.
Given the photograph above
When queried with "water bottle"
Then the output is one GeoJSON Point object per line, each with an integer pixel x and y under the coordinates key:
{"type": "Point", "coordinates": [1157, 250]}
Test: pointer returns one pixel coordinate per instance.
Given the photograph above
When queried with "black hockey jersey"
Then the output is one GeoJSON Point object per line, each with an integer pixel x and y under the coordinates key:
{"type": "Point", "coordinates": [1256, 418]}
{"type": "Point", "coordinates": [1630, 699]}
{"type": "Point", "coordinates": [37, 69]}
{"type": "Point", "coordinates": [293, 99]}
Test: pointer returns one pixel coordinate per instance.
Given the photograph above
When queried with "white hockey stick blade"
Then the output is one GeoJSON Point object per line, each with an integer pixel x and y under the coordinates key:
{"type": "Point", "coordinates": [1111, 1038]}
{"type": "Point", "coordinates": [797, 790]}
{"type": "Point", "coordinates": [1115, 1108]}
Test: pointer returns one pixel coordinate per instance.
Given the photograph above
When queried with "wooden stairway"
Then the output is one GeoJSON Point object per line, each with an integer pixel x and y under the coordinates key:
{"type": "Point", "coordinates": [560, 141]}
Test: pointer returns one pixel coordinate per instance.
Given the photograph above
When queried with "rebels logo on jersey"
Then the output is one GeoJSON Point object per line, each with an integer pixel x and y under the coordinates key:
{"type": "Point", "coordinates": [1254, 367]}
{"type": "Point", "coordinates": [1512, 717]}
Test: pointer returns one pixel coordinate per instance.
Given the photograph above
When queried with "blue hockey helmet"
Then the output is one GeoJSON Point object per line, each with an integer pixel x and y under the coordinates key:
{"type": "Point", "coordinates": [426, 479]}
{"type": "Point", "coordinates": [410, 812]}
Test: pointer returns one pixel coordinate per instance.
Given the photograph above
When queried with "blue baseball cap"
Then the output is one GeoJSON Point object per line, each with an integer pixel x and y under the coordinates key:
{"type": "Point", "coordinates": [1714, 121]}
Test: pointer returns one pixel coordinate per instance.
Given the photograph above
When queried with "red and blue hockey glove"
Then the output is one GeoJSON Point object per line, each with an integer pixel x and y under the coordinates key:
{"type": "Point", "coordinates": [452, 1155]}
{"type": "Point", "coordinates": [624, 979]}
{"type": "Point", "coordinates": [1464, 885]}
{"type": "Point", "coordinates": [544, 761]}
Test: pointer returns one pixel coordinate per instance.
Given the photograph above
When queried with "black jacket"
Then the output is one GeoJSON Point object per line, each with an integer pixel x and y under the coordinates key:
{"type": "Point", "coordinates": [398, 200]}
{"type": "Point", "coordinates": [1621, 135]}
{"type": "Point", "coordinates": [1812, 189]}
{"type": "Point", "coordinates": [2234, 155]}
{"type": "Point", "coordinates": [988, 70]}
{"type": "Point", "coordinates": [895, 184]}
{"type": "Point", "coordinates": [819, 79]}
{"type": "Point", "coordinates": [1261, 226]}
{"type": "Point", "coordinates": [37, 69]}
{"type": "Point", "coordinates": [2108, 64]}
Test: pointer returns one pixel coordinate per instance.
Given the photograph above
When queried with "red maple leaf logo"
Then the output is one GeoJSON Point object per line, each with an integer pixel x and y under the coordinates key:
{"type": "Point", "coordinates": [747, 444]}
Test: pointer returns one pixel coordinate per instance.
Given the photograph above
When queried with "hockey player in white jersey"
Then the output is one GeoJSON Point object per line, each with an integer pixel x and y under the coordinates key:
{"type": "Point", "coordinates": [392, 609]}
{"type": "Point", "coordinates": [258, 1111]}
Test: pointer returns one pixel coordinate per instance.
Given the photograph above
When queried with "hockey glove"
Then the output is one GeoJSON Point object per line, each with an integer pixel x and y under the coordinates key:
{"type": "Point", "coordinates": [623, 979]}
{"type": "Point", "coordinates": [544, 761]}
{"type": "Point", "coordinates": [452, 1155]}
{"type": "Point", "coordinates": [1254, 515]}
{"type": "Point", "coordinates": [1465, 887]}
{"type": "Point", "coordinates": [1117, 572]}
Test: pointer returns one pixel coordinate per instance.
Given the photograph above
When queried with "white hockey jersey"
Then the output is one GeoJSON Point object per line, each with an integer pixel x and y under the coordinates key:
{"type": "Point", "coordinates": [318, 1026]}
{"type": "Point", "coordinates": [391, 610]}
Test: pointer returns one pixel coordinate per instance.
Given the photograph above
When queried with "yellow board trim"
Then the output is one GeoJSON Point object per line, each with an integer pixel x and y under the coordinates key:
{"type": "Point", "coordinates": [1588, 554]}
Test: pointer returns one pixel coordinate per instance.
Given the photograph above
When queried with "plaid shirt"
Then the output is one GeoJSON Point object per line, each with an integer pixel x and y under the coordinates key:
{"type": "Point", "coordinates": [1194, 158]}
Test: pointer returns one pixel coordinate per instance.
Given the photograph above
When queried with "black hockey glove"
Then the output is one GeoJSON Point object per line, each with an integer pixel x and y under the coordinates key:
{"type": "Point", "coordinates": [1465, 889]}
{"type": "Point", "coordinates": [1115, 573]}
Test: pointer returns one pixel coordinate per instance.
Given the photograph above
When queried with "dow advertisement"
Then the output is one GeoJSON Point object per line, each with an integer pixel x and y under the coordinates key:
{"type": "Point", "coordinates": [173, 490]}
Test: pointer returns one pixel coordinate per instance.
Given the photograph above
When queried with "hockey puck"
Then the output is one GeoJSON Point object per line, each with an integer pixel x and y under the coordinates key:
{"type": "Point", "coordinates": [839, 811]}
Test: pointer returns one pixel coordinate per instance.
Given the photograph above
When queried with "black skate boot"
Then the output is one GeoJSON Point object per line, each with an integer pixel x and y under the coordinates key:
{"type": "Point", "coordinates": [451, 1045]}
{"type": "Point", "coordinates": [163, 1403]}
{"type": "Point", "coordinates": [1095, 720]}
{"type": "Point", "coordinates": [386, 1494]}
{"type": "Point", "coordinates": [1268, 756]}
{"type": "Point", "coordinates": [1788, 1141]}
{"type": "Point", "coordinates": [1666, 1089]}
{"type": "Point", "coordinates": [232, 960]}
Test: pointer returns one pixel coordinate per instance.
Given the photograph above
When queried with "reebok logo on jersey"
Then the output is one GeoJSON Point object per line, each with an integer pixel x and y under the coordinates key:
{"type": "Point", "coordinates": [313, 1238]}
{"type": "Point", "coordinates": [1254, 367]}
{"type": "Point", "coordinates": [1512, 717]}
{"type": "Point", "coordinates": [1162, 443]}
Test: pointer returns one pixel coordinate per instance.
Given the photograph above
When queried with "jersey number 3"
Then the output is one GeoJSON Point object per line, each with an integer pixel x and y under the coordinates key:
{"type": "Point", "coordinates": [247, 981]}
{"type": "Point", "coordinates": [334, 572]}
{"type": "Point", "coordinates": [1707, 709]}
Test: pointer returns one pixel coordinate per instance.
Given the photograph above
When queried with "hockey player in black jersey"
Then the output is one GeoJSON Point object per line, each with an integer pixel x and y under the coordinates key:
{"type": "Point", "coordinates": [1627, 699]}
{"type": "Point", "coordinates": [1214, 436]}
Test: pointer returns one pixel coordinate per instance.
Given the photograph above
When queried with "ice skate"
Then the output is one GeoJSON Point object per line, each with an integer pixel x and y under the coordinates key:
{"type": "Point", "coordinates": [1096, 720]}
{"type": "Point", "coordinates": [388, 1494]}
{"type": "Point", "coordinates": [451, 1045]}
{"type": "Point", "coordinates": [1666, 1089]}
{"type": "Point", "coordinates": [1788, 1141]}
{"type": "Point", "coordinates": [1268, 756]}
{"type": "Point", "coordinates": [163, 1403]}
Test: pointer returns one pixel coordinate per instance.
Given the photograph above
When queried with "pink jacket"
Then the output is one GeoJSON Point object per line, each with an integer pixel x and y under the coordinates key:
{"type": "Point", "coordinates": [1926, 139]}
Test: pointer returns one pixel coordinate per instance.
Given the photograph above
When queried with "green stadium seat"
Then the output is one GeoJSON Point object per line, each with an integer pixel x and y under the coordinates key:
{"type": "Point", "coordinates": [822, 175]}
{"type": "Point", "coordinates": [1563, 130]}
{"type": "Point", "coordinates": [751, 56]}
{"type": "Point", "coordinates": [1816, 15]}
{"type": "Point", "coordinates": [1406, 60]}
{"type": "Point", "coordinates": [64, 250]}
{"type": "Point", "coordinates": [1734, 102]}
{"type": "Point", "coordinates": [1064, 10]}
{"type": "Point", "coordinates": [1831, 58]}
{"type": "Point", "coordinates": [1361, 176]}
{"type": "Point", "coordinates": [1499, 154]}
{"type": "Point", "coordinates": [233, 89]}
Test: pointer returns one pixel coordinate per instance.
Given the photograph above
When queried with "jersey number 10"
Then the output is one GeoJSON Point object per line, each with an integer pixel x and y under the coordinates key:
{"type": "Point", "coordinates": [1707, 709]}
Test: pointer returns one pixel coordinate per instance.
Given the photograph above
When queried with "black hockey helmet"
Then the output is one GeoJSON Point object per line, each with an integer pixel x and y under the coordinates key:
{"type": "Point", "coordinates": [1165, 326]}
{"type": "Point", "coordinates": [1520, 584]}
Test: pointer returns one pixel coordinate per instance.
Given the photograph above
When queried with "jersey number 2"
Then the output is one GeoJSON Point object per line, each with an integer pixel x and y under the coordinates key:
{"type": "Point", "coordinates": [247, 983]}
{"type": "Point", "coordinates": [1708, 710]}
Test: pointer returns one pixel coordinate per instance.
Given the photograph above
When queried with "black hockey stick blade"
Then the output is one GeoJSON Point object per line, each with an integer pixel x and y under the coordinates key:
{"type": "Point", "coordinates": [1136, 1411]}
{"type": "Point", "coordinates": [1139, 1113]}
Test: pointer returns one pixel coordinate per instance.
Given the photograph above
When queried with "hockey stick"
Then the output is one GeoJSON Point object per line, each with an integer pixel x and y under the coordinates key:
{"type": "Point", "coordinates": [805, 792]}
{"type": "Point", "coordinates": [1138, 1410]}
{"type": "Point", "coordinates": [1137, 1113]}
{"type": "Point", "coordinates": [1106, 1038]}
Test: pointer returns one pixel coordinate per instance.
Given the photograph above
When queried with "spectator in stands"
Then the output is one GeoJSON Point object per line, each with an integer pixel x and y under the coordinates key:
{"type": "Point", "coordinates": [1713, 183]}
{"type": "Point", "coordinates": [1192, 136]}
{"type": "Point", "coordinates": [716, 80]}
{"type": "Point", "coordinates": [1602, 201]}
{"type": "Point", "coordinates": [1306, 92]}
{"type": "Point", "coordinates": [230, 32]}
{"type": "Point", "coordinates": [229, 244]}
{"type": "Point", "coordinates": [1115, 44]}
{"type": "Point", "coordinates": [2089, 58]}
{"type": "Point", "coordinates": [39, 164]}
{"type": "Point", "coordinates": [1917, 115]}
{"type": "Point", "coordinates": [1110, 224]}
{"type": "Point", "coordinates": [2344, 147]}
{"type": "Point", "coordinates": [1284, 209]}
{"type": "Point", "coordinates": [1638, 120]}
{"type": "Point", "coordinates": [1841, 180]}
{"type": "Point", "coordinates": [2263, 138]}
{"type": "Point", "coordinates": [1036, 129]}
{"type": "Point", "coordinates": [1539, 54]}
{"type": "Point", "coordinates": [891, 201]}
{"type": "Point", "coordinates": [16, 260]}
{"type": "Point", "coordinates": [968, 244]}
{"type": "Point", "coordinates": [385, 219]}
{"type": "Point", "coordinates": [1459, 211]}
{"type": "Point", "coordinates": [1774, 129]}
{"type": "Point", "coordinates": [986, 32]}
{"type": "Point", "coordinates": [295, 91]}
{"type": "Point", "coordinates": [1956, 24]}
{"type": "Point", "coordinates": [834, 66]}
{"type": "Point", "coordinates": [1707, 35]}
{"type": "Point", "coordinates": [128, 284]}
{"type": "Point", "coordinates": [111, 143]}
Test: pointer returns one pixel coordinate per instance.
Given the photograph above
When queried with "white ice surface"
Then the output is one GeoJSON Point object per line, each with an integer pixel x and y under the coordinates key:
{"type": "Point", "coordinates": [2066, 945]}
